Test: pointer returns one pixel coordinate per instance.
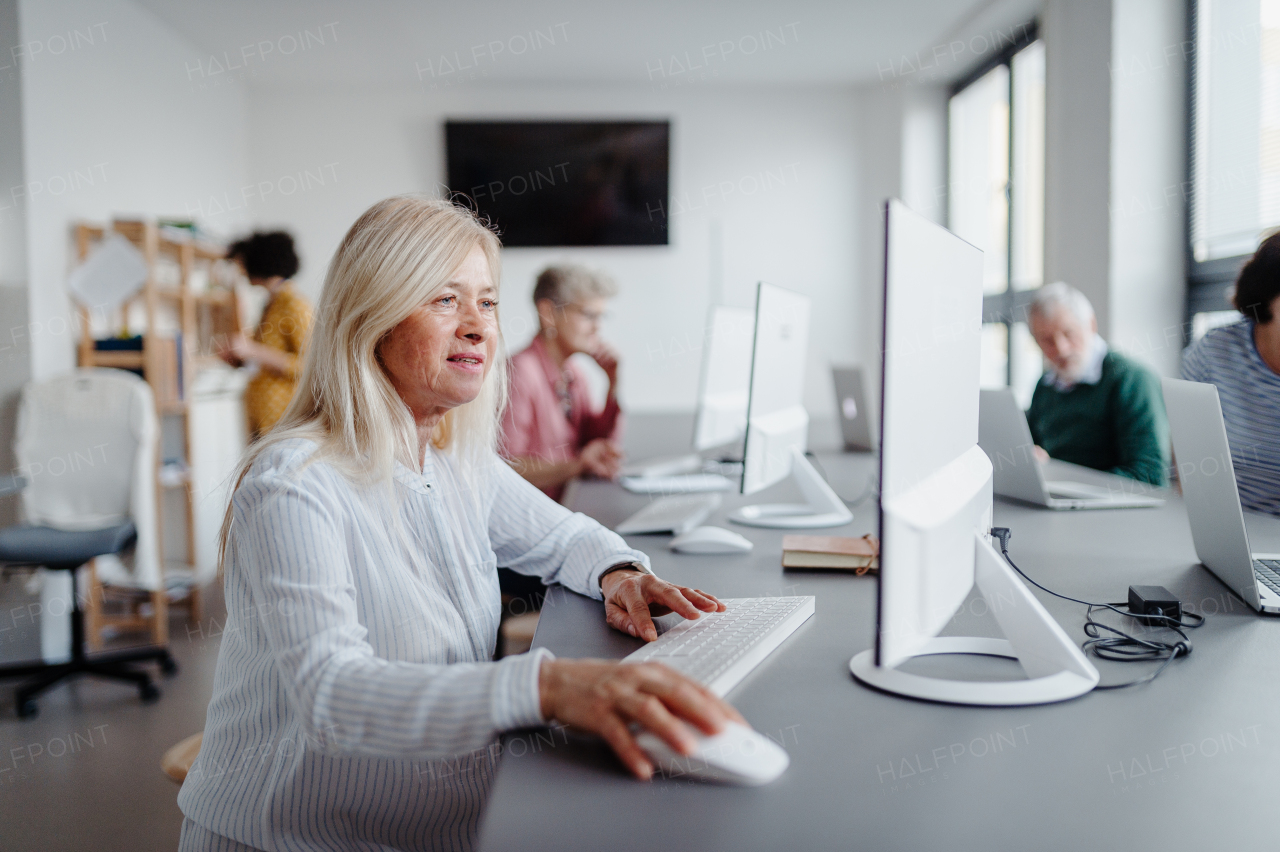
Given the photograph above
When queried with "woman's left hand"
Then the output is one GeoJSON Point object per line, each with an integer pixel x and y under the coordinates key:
{"type": "Point", "coordinates": [607, 358]}
{"type": "Point", "coordinates": [631, 599]}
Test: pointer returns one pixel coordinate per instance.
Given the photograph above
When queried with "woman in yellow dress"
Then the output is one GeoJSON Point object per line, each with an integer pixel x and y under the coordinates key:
{"type": "Point", "coordinates": [269, 260]}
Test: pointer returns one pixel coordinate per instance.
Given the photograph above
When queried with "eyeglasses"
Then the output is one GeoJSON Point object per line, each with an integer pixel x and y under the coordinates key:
{"type": "Point", "coordinates": [590, 316]}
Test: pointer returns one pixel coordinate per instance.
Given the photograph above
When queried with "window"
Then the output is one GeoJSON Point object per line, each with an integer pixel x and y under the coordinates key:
{"type": "Point", "coordinates": [1234, 146]}
{"type": "Point", "coordinates": [996, 200]}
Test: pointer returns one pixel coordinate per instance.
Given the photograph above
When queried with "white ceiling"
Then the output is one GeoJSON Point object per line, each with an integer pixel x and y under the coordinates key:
{"type": "Point", "coordinates": [652, 42]}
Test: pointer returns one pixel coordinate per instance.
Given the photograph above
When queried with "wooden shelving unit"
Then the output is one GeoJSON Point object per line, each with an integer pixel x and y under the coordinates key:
{"type": "Point", "coordinates": [161, 358]}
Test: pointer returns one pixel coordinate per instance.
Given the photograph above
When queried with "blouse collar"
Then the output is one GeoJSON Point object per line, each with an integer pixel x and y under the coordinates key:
{"type": "Point", "coordinates": [413, 480]}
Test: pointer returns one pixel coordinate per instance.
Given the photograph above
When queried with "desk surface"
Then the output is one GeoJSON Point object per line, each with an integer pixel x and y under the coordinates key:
{"type": "Point", "coordinates": [1190, 758]}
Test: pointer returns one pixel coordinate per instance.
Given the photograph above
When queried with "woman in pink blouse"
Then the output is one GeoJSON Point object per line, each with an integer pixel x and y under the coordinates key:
{"type": "Point", "coordinates": [550, 432]}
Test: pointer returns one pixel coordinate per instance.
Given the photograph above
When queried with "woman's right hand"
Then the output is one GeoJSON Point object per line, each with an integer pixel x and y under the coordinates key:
{"type": "Point", "coordinates": [226, 351]}
{"type": "Point", "coordinates": [605, 698]}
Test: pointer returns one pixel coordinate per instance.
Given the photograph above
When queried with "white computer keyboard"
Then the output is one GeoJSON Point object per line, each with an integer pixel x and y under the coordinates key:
{"type": "Point", "coordinates": [719, 649]}
{"type": "Point", "coordinates": [684, 484]}
{"type": "Point", "coordinates": [677, 514]}
{"type": "Point", "coordinates": [665, 466]}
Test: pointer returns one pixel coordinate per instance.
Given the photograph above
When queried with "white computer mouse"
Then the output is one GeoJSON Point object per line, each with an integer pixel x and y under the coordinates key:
{"type": "Point", "coordinates": [737, 755]}
{"type": "Point", "coordinates": [711, 540]}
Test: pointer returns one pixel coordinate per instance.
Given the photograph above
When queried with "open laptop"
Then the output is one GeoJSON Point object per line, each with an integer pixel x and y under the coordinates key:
{"type": "Point", "coordinates": [1213, 502]}
{"type": "Point", "coordinates": [1005, 437]}
{"type": "Point", "coordinates": [851, 409]}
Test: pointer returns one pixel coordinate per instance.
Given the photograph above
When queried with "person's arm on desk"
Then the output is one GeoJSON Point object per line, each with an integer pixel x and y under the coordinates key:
{"type": "Point", "coordinates": [598, 458]}
{"type": "Point", "coordinates": [535, 536]}
{"type": "Point", "coordinates": [632, 598]}
{"type": "Point", "coordinates": [605, 698]}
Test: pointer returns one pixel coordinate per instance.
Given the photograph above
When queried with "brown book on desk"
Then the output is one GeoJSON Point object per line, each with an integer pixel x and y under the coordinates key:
{"type": "Point", "coordinates": [832, 553]}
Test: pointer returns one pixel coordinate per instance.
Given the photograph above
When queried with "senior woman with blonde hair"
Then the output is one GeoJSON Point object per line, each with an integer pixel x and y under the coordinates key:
{"type": "Point", "coordinates": [355, 698]}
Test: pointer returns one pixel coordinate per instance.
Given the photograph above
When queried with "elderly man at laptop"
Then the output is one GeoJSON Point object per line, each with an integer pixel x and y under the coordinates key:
{"type": "Point", "coordinates": [1093, 407]}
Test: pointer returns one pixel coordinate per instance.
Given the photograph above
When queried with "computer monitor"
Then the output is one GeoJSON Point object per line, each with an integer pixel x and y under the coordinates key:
{"type": "Point", "coordinates": [936, 488]}
{"type": "Point", "coordinates": [777, 423]}
{"type": "Point", "coordinates": [726, 378]}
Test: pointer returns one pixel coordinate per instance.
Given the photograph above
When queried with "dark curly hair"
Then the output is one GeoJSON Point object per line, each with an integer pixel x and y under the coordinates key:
{"type": "Point", "coordinates": [1259, 281]}
{"type": "Point", "coordinates": [266, 255]}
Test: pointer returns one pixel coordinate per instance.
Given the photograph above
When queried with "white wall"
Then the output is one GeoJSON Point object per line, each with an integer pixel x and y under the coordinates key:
{"type": "Point", "coordinates": [800, 232]}
{"type": "Point", "coordinates": [1077, 35]}
{"type": "Point", "coordinates": [924, 150]}
{"type": "Point", "coordinates": [113, 124]}
{"type": "Point", "coordinates": [901, 153]}
{"type": "Point", "coordinates": [15, 348]}
{"type": "Point", "coordinates": [1148, 162]}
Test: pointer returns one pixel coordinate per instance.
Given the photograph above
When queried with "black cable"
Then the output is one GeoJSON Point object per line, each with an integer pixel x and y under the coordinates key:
{"type": "Point", "coordinates": [1121, 647]}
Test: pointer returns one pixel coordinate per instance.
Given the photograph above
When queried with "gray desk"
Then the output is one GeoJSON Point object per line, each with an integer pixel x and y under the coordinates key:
{"type": "Point", "coordinates": [1192, 757]}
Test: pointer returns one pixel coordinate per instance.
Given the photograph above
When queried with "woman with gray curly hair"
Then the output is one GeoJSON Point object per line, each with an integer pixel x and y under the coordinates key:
{"type": "Point", "coordinates": [550, 430]}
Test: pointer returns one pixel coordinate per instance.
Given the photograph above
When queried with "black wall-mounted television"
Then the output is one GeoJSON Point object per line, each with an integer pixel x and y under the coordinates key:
{"type": "Point", "coordinates": [564, 183]}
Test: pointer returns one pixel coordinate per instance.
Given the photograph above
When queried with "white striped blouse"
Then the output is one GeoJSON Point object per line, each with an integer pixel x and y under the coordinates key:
{"type": "Point", "coordinates": [1250, 394]}
{"type": "Point", "coordinates": [355, 702]}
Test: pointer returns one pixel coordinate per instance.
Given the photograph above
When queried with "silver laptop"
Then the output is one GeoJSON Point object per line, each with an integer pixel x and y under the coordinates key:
{"type": "Point", "coordinates": [1005, 437]}
{"type": "Point", "coordinates": [851, 409]}
{"type": "Point", "coordinates": [1209, 491]}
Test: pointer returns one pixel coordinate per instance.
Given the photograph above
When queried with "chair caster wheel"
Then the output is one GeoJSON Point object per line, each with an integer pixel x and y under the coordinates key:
{"type": "Point", "coordinates": [28, 709]}
{"type": "Point", "coordinates": [168, 667]}
{"type": "Point", "coordinates": [149, 693]}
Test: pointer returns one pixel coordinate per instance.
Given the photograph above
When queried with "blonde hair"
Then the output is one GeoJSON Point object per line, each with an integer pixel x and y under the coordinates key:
{"type": "Point", "coordinates": [396, 256]}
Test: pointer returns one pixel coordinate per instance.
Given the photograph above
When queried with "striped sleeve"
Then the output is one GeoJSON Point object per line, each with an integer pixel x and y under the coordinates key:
{"type": "Point", "coordinates": [532, 534]}
{"type": "Point", "coordinates": [293, 542]}
{"type": "Point", "coordinates": [1249, 391]}
{"type": "Point", "coordinates": [1193, 363]}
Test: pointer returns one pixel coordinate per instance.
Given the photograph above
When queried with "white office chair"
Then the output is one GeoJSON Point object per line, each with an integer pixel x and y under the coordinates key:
{"type": "Point", "coordinates": [86, 447]}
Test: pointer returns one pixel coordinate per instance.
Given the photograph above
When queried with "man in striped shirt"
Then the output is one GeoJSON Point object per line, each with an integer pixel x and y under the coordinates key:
{"type": "Point", "coordinates": [1243, 361]}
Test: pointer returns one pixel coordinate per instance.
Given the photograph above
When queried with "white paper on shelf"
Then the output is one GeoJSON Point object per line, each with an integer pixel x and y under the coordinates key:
{"type": "Point", "coordinates": [114, 271]}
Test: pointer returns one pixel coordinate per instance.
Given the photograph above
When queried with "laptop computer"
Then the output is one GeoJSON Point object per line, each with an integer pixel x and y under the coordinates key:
{"type": "Point", "coordinates": [1213, 502]}
{"type": "Point", "coordinates": [1005, 437]}
{"type": "Point", "coordinates": [851, 409]}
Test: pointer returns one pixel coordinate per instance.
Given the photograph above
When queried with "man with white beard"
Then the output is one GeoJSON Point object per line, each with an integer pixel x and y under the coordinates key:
{"type": "Point", "coordinates": [1093, 406]}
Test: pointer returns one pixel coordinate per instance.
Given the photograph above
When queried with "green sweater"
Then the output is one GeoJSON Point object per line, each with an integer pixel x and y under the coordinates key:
{"type": "Point", "coordinates": [1117, 425]}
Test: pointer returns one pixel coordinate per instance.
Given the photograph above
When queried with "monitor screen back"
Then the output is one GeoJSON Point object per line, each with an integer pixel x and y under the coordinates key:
{"type": "Point", "coordinates": [935, 483]}
{"type": "Point", "coordinates": [1207, 474]}
{"type": "Point", "coordinates": [776, 419]}
{"type": "Point", "coordinates": [726, 377]}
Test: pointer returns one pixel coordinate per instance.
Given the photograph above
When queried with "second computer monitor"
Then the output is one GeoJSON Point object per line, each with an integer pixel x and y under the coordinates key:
{"type": "Point", "coordinates": [776, 419]}
{"type": "Point", "coordinates": [726, 378]}
{"type": "Point", "coordinates": [777, 423]}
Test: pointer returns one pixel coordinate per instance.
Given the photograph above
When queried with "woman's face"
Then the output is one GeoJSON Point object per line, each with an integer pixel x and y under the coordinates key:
{"type": "Point", "coordinates": [437, 357]}
{"type": "Point", "coordinates": [577, 325]}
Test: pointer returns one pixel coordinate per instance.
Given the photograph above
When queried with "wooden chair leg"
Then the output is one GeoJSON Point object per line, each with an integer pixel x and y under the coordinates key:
{"type": "Point", "coordinates": [93, 608]}
{"type": "Point", "coordinates": [195, 605]}
{"type": "Point", "coordinates": [159, 618]}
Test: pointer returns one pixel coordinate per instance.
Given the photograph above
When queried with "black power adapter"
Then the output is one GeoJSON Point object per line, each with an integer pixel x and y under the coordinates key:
{"type": "Point", "coordinates": [1154, 606]}
{"type": "Point", "coordinates": [1145, 601]}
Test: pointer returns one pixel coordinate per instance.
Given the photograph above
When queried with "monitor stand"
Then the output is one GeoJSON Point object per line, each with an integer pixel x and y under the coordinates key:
{"type": "Point", "coordinates": [1057, 669]}
{"type": "Point", "coordinates": [822, 506]}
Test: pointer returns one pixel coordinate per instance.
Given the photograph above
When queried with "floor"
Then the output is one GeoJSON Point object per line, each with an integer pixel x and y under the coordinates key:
{"type": "Point", "coordinates": [85, 772]}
